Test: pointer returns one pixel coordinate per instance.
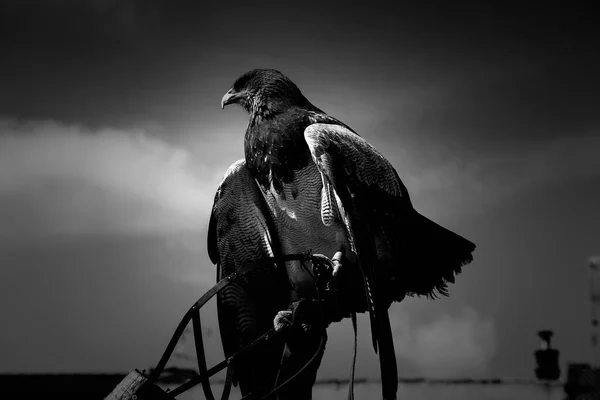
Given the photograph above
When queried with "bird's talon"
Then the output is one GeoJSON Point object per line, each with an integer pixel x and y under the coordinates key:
{"type": "Point", "coordinates": [282, 320]}
{"type": "Point", "coordinates": [334, 282]}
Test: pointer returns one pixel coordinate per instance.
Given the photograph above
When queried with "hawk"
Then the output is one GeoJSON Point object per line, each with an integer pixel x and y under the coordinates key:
{"type": "Point", "coordinates": [310, 183]}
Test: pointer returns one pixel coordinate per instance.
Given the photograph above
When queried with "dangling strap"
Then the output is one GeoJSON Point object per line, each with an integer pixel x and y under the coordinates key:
{"type": "Point", "coordinates": [351, 383]}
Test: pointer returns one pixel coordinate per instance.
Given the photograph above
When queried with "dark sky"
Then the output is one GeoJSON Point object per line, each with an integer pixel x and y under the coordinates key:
{"type": "Point", "coordinates": [112, 143]}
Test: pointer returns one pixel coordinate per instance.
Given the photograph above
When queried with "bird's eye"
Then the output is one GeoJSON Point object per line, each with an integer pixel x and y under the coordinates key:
{"type": "Point", "coordinates": [249, 79]}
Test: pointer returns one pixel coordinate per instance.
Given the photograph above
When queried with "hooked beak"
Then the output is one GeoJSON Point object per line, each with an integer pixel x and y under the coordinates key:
{"type": "Point", "coordinates": [230, 97]}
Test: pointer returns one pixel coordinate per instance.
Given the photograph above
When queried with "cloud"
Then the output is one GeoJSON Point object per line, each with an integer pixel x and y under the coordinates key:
{"type": "Point", "coordinates": [475, 184]}
{"type": "Point", "coordinates": [66, 179]}
{"type": "Point", "coordinates": [114, 18]}
{"type": "Point", "coordinates": [450, 346]}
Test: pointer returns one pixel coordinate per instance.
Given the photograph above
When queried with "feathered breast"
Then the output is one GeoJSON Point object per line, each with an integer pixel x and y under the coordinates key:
{"type": "Point", "coordinates": [275, 148]}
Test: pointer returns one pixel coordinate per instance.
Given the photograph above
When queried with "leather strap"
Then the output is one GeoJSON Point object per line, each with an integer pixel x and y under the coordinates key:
{"type": "Point", "coordinates": [244, 270]}
{"type": "Point", "coordinates": [351, 380]}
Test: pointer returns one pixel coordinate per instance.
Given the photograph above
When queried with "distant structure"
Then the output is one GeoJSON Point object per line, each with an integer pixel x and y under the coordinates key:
{"type": "Point", "coordinates": [547, 358]}
{"type": "Point", "coordinates": [583, 380]}
{"type": "Point", "coordinates": [594, 267]}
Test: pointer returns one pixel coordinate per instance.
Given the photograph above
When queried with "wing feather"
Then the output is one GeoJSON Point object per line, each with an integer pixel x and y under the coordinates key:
{"type": "Point", "coordinates": [350, 164]}
{"type": "Point", "coordinates": [400, 252]}
{"type": "Point", "coordinates": [240, 232]}
{"type": "Point", "coordinates": [414, 255]}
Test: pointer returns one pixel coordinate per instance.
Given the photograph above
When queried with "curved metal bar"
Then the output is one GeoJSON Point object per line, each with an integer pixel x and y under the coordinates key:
{"type": "Point", "coordinates": [197, 379]}
{"type": "Point", "coordinates": [171, 346]}
{"type": "Point", "coordinates": [193, 315]}
{"type": "Point", "coordinates": [201, 356]}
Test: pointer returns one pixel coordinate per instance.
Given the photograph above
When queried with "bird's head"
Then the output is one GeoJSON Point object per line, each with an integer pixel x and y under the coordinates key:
{"type": "Point", "coordinates": [264, 92]}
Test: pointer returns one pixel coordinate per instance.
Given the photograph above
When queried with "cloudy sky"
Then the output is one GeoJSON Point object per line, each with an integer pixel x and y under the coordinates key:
{"type": "Point", "coordinates": [112, 143]}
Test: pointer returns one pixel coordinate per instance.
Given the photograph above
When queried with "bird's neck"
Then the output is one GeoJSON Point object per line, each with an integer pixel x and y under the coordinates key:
{"type": "Point", "coordinates": [275, 147]}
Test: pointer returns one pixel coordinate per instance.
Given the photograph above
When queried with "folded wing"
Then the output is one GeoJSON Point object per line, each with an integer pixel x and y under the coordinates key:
{"type": "Point", "coordinates": [240, 232]}
{"type": "Point", "coordinates": [400, 252]}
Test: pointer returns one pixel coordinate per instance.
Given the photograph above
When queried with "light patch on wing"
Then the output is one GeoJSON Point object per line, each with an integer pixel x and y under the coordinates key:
{"type": "Point", "coordinates": [280, 199]}
{"type": "Point", "coordinates": [327, 210]}
{"type": "Point", "coordinates": [281, 204]}
{"type": "Point", "coordinates": [346, 219]}
{"type": "Point", "coordinates": [267, 239]}
{"type": "Point", "coordinates": [360, 158]}
{"type": "Point", "coordinates": [290, 213]}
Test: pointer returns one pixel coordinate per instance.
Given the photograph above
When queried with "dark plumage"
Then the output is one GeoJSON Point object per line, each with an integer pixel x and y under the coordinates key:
{"type": "Point", "coordinates": [329, 191]}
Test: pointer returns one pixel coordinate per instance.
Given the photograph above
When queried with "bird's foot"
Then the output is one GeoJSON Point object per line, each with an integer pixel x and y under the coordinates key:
{"type": "Point", "coordinates": [282, 320]}
{"type": "Point", "coordinates": [341, 285]}
{"type": "Point", "coordinates": [336, 275]}
{"type": "Point", "coordinates": [335, 281]}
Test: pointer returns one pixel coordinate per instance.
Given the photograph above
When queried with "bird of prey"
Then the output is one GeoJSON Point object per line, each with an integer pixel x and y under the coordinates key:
{"type": "Point", "coordinates": [310, 183]}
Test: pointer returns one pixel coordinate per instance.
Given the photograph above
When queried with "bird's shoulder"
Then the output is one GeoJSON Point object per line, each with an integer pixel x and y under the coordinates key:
{"type": "Point", "coordinates": [317, 116]}
{"type": "Point", "coordinates": [274, 146]}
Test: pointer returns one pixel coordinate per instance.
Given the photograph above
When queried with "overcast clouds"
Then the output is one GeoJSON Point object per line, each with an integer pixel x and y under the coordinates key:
{"type": "Point", "coordinates": [112, 143]}
{"type": "Point", "coordinates": [79, 182]}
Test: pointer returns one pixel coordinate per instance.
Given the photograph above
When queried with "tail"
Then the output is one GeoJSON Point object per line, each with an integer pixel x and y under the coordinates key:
{"type": "Point", "coordinates": [429, 256]}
